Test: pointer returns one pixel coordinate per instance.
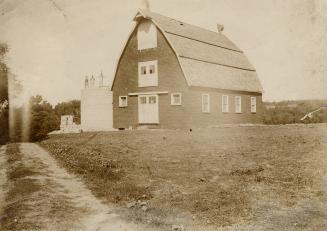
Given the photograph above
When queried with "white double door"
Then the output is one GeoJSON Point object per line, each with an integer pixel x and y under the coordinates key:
{"type": "Point", "coordinates": [148, 107]}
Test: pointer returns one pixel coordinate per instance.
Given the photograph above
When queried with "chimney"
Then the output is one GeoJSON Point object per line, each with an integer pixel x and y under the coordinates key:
{"type": "Point", "coordinates": [92, 81]}
{"type": "Point", "coordinates": [220, 28]}
{"type": "Point", "coordinates": [145, 4]}
{"type": "Point", "coordinates": [101, 80]}
{"type": "Point", "coordinates": [86, 82]}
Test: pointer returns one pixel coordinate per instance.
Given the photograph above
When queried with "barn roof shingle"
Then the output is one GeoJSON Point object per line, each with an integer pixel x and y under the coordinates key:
{"type": "Point", "coordinates": [207, 58]}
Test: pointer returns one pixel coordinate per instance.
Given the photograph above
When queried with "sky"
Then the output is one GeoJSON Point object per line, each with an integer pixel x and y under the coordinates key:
{"type": "Point", "coordinates": [54, 44]}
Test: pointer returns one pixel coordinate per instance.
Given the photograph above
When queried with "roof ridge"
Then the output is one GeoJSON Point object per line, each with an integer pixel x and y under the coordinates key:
{"type": "Point", "coordinates": [180, 21]}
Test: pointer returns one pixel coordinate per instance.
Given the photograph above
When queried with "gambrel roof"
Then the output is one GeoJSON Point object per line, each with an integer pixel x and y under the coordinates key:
{"type": "Point", "coordinates": [207, 58]}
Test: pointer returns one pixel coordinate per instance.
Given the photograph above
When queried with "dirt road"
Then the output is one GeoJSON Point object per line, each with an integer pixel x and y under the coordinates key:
{"type": "Point", "coordinates": [36, 194]}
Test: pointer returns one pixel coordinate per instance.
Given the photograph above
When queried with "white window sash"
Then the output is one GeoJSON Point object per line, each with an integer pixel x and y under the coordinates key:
{"type": "Point", "coordinates": [121, 101]}
{"type": "Point", "coordinates": [205, 103]}
{"type": "Point", "coordinates": [238, 104]}
{"type": "Point", "coordinates": [225, 103]}
{"type": "Point", "coordinates": [172, 99]}
{"type": "Point", "coordinates": [253, 104]}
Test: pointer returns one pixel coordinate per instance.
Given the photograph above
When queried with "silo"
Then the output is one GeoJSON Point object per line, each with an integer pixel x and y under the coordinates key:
{"type": "Point", "coordinates": [96, 108]}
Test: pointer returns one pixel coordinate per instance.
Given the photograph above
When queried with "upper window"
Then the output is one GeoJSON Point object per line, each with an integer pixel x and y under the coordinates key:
{"type": "Point", "coordinates": [176, 99]}
{"type": "Point", "coordinates": [253, 104]}
{"type": "Point", "coordinates": [122, 101]}
{"type": "Point", "coordinates": [143, 70]}
{"type": "Point", "coordinates": [206, 103]}
{"type": "Point", "coordinates": [148, 73]}
{"type": "Point", "coordinates": [225, 104]}
{"type": "Point", "coordinates": [146, 35]}
{"type": "Point", "coordinates": [238, 104]}
{"type": "Point", "coordinates": [152, 69]}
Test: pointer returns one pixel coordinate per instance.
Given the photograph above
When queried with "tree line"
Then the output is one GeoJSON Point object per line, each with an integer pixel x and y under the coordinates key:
{"type": "Point", "coordinates": [289, 112]}
{"type": "Point", "coordinates": [41, 118]}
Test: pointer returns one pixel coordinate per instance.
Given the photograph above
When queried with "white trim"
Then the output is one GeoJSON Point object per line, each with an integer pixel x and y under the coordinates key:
{"type": "Point", "coordinates": [208, 109]}
{"type": "Point", "coordinates": [238, 107]}
{"type": "Point", "coordinates": [120, 101]}
{"type": "Point", "coordinates": [148, 93]}
{"type": "Point", "coordinates": [223, 109]}
{"type": "Point", "coordinates": [172, 99]}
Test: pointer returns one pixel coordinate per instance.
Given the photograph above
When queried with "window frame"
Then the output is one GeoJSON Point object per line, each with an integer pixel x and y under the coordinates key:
{"type": "Point", "coordinates": [255, 104]}
{"type": "Point", "coordinates": [223, 109]}
{"type": "Point", "coordinates": [203, 96]}
{"type": "Point", "coordinates": [172, 102]}
{"type": "Point", "coordinates": [120, 101]}
{"type": "Point", "coordinates": [238, 108]}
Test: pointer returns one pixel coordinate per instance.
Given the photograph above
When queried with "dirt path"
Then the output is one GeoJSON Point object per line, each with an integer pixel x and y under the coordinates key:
{"type": "Point", "coordinates": [3, 178]}
{"type": "Point", "coordinates": [51, 199]}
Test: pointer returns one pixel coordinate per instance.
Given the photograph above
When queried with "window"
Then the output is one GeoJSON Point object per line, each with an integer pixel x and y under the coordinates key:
{"type": "Point", "coordinates": [146, 35]}
{"type": "Point", "coordinates": [143, 100]}
{"type": "Point", "coordinates": [205, 103]}
{"type": "Point", "coordinates": [143, 70]}
{"type": "Point", "coordinates": [122, 101]}
{"type": "Point", "coordinates": [253, 104]}
{"type": "Point", "coordinates": [148, 73]}
{"type": "Point", "coordinates": [225, 105]}
{"type": "Point", "coordinates": [176, 99]}
{"type": "Point", "coordinates": [238, 104]}
{"type": "Point", "coordinates": [152, 100]}
{"type": "Point", "coordinates": [152, 69]}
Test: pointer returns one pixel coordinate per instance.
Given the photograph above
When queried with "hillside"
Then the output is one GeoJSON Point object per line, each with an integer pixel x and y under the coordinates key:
{"type": "Point", "coordinates": [288, 112]}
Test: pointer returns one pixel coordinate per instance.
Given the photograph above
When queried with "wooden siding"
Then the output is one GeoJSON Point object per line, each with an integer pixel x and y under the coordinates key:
{"type": "Point", "coordinates": [171, 79]}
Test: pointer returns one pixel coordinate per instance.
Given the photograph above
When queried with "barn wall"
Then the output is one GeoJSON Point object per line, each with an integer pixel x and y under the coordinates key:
{"type": "Point", "coordinates": [171, 79]}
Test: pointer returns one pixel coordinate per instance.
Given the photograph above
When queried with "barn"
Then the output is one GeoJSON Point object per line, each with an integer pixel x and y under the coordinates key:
{"type": "Point", "coordinates": [175, 75]}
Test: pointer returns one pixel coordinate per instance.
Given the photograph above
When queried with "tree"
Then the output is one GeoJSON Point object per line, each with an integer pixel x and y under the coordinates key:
{"type": "Point", "coordinates": [4, 99]}
{"type": "Point", "coordinates": [43, 119]}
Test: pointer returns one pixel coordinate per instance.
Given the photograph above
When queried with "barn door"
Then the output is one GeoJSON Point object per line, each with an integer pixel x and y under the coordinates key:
{"type": "Point", "coordinates": [148, 107]}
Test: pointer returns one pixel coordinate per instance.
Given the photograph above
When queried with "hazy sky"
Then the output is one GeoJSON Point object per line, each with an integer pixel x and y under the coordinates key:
{"type": "Point", "coordinates": [51, 51]}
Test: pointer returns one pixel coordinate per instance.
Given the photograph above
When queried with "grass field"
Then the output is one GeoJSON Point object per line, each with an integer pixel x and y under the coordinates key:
{"type": "Point", "coordinates": [265, 175]}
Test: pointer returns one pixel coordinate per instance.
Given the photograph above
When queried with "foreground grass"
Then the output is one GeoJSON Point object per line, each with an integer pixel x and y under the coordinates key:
{"type": "Point", "coordinates": [219, 176]}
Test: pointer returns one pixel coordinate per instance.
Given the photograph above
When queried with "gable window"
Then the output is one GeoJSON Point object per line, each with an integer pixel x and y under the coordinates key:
{"type": "Point", "coordinates": [205, 103]}
{"type": "Point", "coordinates": [146, 35]}
{"type": "Point", "coordinates": [238, 104]}
{"type": "Point", "coordinates": [225, 104]}
{"type": "Point", "coordinates": [253, 104]}
{"type": "Point", "coordinates": [122, 101]}
{"type": "Point", "coordinates": [176, 99]}
{"type": "Point", "coordinates": [148, 73]}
